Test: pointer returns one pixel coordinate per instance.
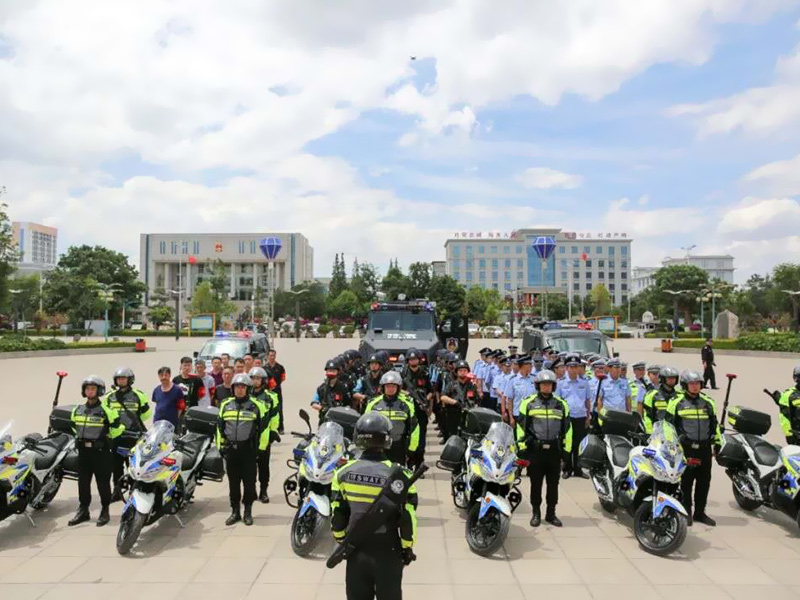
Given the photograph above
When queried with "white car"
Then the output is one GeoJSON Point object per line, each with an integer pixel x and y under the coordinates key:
{"type": "Point", "coordinates": [474, 328]}
{"type": "Point", "coordinates": [492, 331]}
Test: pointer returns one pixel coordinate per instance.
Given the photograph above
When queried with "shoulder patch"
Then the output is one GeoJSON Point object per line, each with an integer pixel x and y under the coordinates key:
{"type": "Point", "coordinates": [377, 480]}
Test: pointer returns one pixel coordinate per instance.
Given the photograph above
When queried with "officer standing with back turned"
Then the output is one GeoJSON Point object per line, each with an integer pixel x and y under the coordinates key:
{"type": "Point", "coordinates": [375, 569]}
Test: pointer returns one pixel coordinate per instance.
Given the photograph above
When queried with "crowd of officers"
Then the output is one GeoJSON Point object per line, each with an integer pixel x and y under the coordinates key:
{"type": "Point", "coordinates": [551, 400]}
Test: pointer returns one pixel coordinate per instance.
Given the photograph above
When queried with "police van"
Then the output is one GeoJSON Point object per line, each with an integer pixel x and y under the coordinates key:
{"type": "Point", "coordinates": [234, 343]}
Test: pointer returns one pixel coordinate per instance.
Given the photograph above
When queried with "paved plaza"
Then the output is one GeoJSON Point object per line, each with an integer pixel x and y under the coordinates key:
{"type": "Point", "coordinates": [593, 556]}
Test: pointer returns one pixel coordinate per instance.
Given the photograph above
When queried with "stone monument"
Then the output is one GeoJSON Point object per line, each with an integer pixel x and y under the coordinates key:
{"type": "Point", "coordinates": [726, 325]}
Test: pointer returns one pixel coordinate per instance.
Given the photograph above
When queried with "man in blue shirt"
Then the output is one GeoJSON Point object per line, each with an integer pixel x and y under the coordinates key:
{"type": "Point", "coordinates": [522, 388]}
{"type": "Point", "coordinates": [575, 390]}
{"type": "Point", "coordinates": [478, 367]}
{"type": "Point", "coordinates": [492, 371]}
{"type": "Point", "coordinates": [508, 387]}
{"type": "Point", "coordinates": [615, 392]}
{"type": "Point", "coordinates": [499, 383]}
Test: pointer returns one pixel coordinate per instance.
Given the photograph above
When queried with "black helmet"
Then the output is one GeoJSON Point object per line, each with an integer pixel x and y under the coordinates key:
{"type": "Point", "coordinates": [451, 357]}
{"type": "Point", "coordinates": [351, 354]}
{"type": "Point", "coordinates": [331, 364]}
{"type": "Point", "coordinates": [441, 354]}
{"type": "Point", "coordinates": [462, 364]}
{"type": "Point", "coordinates": [413, 353]}
{"type": "Point", "coordinates": [96, 381]}
{"type": "Point", "coordinates": [544, 376]}
{"type": "Point", "coordinates": [373, 431]}
{"type": "Point", "coordinates": [124, 372]}
{"type": "Point", "coordinates": [340, 360]}
{"type": "Point", "coordinates": [383, 355]}
{"type": "Point", "coordinates": [796, 373]}
{"type": "Point", "coordinates": [667, 372]}
{"type": "Point", "coordinates": [374, 358]}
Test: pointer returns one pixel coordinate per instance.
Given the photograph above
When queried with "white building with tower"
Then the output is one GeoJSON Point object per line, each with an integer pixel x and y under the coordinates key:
{"type": "Point", "coordinates": [718, 266]}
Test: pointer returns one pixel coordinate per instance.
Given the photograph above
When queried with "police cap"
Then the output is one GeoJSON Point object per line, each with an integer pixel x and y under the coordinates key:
{"type": "Point", "coordinates": [639, 365]}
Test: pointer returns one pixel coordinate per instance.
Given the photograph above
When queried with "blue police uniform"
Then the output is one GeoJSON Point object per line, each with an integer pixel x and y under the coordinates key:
{"type": "Point", "coordinates": [615, 392]}
{"type": "Point", "coordinates": [575, 392]}
{"type": "Point", "coordinates": [523, 387]}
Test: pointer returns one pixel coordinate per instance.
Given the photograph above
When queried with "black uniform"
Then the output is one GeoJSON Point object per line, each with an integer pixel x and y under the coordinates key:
{"type": "Point", "coordinates": [239, 428]}
{"type": "Point", "coordinates": [695, 419]}
{"type": "Point", "coordinates": [95, 426]}
{"type": "Point", "coordinates": [707, 356]}
{"type": "Point", "coordinates": [544, 429]}
{"type": "Point", "coordinates": [467, 396]}
{"type": "Point", "coordinates": [331, 395]}
{"type": "Point", "coordinates": [370, 386]}
{"type": "Point", "coordinates": [276, 375]}
{"type": "Point", "coordinates": [417, 384]}
{"type": "Point", "coordinates": [375, 570]}
{"type": "Point", "coordinates": [222, 393]}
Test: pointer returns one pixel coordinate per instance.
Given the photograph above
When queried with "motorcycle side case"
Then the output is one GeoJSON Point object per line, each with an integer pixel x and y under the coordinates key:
{"type": "Point", "coordinates": [61, 419]}
{"type": "Point", "coordinates": [453, 453]}
{"type": "Point", "coordinates": [202, 420]}
{"type": "Point", "coordinates": [747, 420]}
{"type": "Point", "coordinates": [592, 452]}
{"type": "Point", "coordinates": [477, 421]}
{"type": "Point", "coordinates": [70, 464]}
{"type": "Point", "coordinates": [732, 455]}
{"type": "Point", "coordinates": [213, 466]}
{"type": "Point", "coordinates": [617, 422]}
{"type": "Point", "coordinates": [344, 416]}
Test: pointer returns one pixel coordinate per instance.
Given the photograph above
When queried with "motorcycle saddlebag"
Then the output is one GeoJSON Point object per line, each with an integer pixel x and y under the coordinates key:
{"type": "Point", "coordinates": [202, 420]}
{"type": "Point", "coordinates": [747, 420]}
{"type": "Point", "coordinates": [732, 455]}
{"type": "Point", "coordinates": [70, 464]}
{"type": "Point", "coordinates": [213, 466]}
{"type": "Point", "coordinates": [617, 422]}
{"type": "Point", "coordinates": [344, 416]}
{"type": "Point", "coordinates": [61, 419]}
{"type": "Point", "coordinates": [592, 452]}
{"type": "Point", "coordinates": [453, 453]}
{"type": "Point", "coordinates": [477, 421]}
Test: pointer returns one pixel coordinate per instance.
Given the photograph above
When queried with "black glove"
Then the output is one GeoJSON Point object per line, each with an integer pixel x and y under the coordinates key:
{"type": "Point", "coordinates": [274, 437]}
{"type": "Point", "coordinates": [408, 556]}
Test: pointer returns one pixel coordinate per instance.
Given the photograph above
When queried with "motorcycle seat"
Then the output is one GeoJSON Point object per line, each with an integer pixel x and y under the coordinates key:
{"type": "Point", "coordinates": [49, 448]}
{"type": "Point", "coordinates": [192, 444]}
{"type": "Point", "coordinates": [766, 454]}
{"type": "Point", "coordinates": [620, 449]}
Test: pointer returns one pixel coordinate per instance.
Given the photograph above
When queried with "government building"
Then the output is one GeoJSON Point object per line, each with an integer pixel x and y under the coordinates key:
{"type": "Point", "coordinates": [178, 261]}
{"type": "Point", "coordinates": [508, 263]}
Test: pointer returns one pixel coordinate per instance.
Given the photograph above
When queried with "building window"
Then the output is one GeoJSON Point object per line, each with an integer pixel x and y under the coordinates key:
{"type": "Point", "coordinates": [470, 264]}
{"type": "Point", "coordinates": [173, 247]}
{"type": "Point", "coordinates": [624, 298]}
{"type": "Point", "coordinates": [241, 246]}
{"type": "Point", "coordinates": [599, 250]}
{"type": "Point", "coordinates": [508, 263]}
{"type": "Point", "coordinates": [601, 263]}
{"type": "Point", "coordinates": [601, 275]}
{"type": "Point", "coordinates": [611, 287]}
{"type": "Point", "coordinates": [624, 264]}
{"type": "Point", "coordinates": [252, 246]}
{"type": "Point", "coordinates": [519, 276]}
{"type": "Point", "coordinates": [494, 275]}
{"type": "Point", "coordinates": [481, 249]}
{"type": "Point", "coordinates": [576, 275]}
{"type": "Point", "coordinates": [162, 247]}
{"type": "Point", "coordinates": [506, 249]}
{"type": "Point", "coordinates": [184, 247]}
{"type": "Point", "coordinates": [563, 263]}
{"type": "Point", "coordinates": [611, 264]}
{"type": "Point", "coordinates": [494, 249]}
{"type": "Point", "coordinates": [588, 264]}
{"type": "Point", "coordinates": [624, 251]}
{"type": "Point", "coordinates": [623, 275]}
{"type": "Point", "coordinates": [574, 249]}
{"type": "Point", "coordinates": [588, 287]}
{"type": "Point", "coordinates": [469, 275]}
{"type": "Point", "coordinates": [562, 249]}
{"type": "Point", "coordinates": [587, 249]}
{"type": "Point", "coordinates": [507, 287]}
{"type": "Point", "coordinates": [563, 275]}
{"type": "Point", "coordinates": [507, 276]}
{"type": "Point", "coordinates": [576, 287]}
{"type": "Point", "coordinates": [588, 274]}
{"type": "Point", "coordinates": [469, 250]}
{"type": "Point", "coordinates": [456, 275]}
{"type": "Point", "coordinates": [456, 251]}
{"type": "Point", "coordinates": [624, 287]}
{"type": "Point", "coordinates": [611, 275]}
{"type": "Point", "coordinates": [519, 249]}
{"type": "Point", "coordinates": [482, 263]}
{"type": "Point", "coordinates": [195, 247]}
{"type": "Point", "coordinates": [482, 275]}
{"type": "Point", "coordinates": [611, 250]}
{"type": "Point", "coordinates": [495, 286]}
{"type": "Point", "coordinates": [494, 263]}
{"type": "Point", "coordinates": [519, 263]}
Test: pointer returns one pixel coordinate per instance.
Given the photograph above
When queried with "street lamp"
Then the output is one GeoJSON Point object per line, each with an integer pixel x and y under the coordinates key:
{"type": "Point", "coordinates": [107, 291]}
{"type": "Point", "coordinates": [712, 292]}
{"type": "Point", "coordinates": [793, 295]}
{"type": "Point", "coordinates": [17, 313]}
{"type": "Point", "coordinates": [177, 294]}
{"type": "Point", "coordinates": [688, 250]}
{"type": "Point", "coordinates": [297, 311]}
{"type": "Point", "coordinates": [675, 295]}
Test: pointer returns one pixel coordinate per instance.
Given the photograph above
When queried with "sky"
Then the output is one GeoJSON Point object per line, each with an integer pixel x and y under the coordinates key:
{"type": "Point", "coordinates": [378, 128]}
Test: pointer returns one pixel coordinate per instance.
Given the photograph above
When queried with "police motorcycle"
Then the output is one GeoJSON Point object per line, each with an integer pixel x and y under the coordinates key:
{"type": "Point", "coordinates": [643, 479]}
{"type": "Point", "coordinates": [30, 470]}
{"type": "Point", "coordinates": [485, 477]}
{"type": "Point", "coordinates": [761, 473]}
{"type": "Point", "coordinates": [314, 461]}
{"type": "Point", "coordinates": [164, 472]}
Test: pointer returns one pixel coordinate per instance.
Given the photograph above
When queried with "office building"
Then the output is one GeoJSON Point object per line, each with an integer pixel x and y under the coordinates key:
{"type": "Point", "coordinates": [439, 268]}
{"type": "Point", "coordinates": [174, 261]}
{"type": "Point", "coordinates": [643, 278]}
{"type": "Point", "coordinates": [37, 246]}
{"type": "Point", "coordinates": [718, 266]}
{"type": "Point", "coordinates": [507, 262]}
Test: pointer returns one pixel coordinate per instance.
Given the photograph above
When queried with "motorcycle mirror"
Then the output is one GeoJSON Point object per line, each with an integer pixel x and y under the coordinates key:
{"type": "Point", "coordinates": [304, 415]}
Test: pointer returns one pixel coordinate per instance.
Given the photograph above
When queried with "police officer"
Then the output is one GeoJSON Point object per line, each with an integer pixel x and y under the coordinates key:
{"type": "Point", "coordinates": [332, 392]}
{"type": "Point", "coordinates": [417, 384]}
{"type": "Point", "coordinates": [499, 385]}
{"type": "Point", "coordinates": [95, 426]}
{"type": "Point", "coordinates": [694, 416]}
{"type": "Point", "coordinates": [487, 376]}
{"type": "Point", "coordinates": [543, 431]}
{"type": "Point", "coordinates": [271, 402]}
{"type": "Point", "coordinates": [480, 363]}
{"type": "Point", "coordinates": [656, 402]}
{"type": "Point", "coordinates": [276, 375]}
{"type": "Point", "coordinates": [615, 393]}
{"type": "Point", "coordinates": [789, 406]}
{"type": "Point", "coordinates": [522, 387]}
{"type": "Point", "coordinates": [559, 367]}
{"type": "Point", "coordinates": [494, 373]}
{"type": "Point", "coordinates": [576, 392]}
{"type": "Point", "coordinates": [374, 570]}
{"type": "Point", "coordinates": [368, 386]}
{"type": "Point", "coordinates": [459, 395]}
{"type": "Point", "coordinates": [653, 374]}
{"type": "Point", "coordinates": [242, 420]}
{"type": "Point", "coordinates": [134, 409]}
{"type": "Point", "coordinates": [399, 409]}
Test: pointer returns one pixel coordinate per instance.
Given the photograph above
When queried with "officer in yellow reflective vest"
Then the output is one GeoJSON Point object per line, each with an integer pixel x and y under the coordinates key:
{"type": "Point", "coordinates": [374, 570]}
{"type": "Point", "coordinates": [789, 405]}
{"type": "Point", "coordinates": [95, 425]}
{"type": "Point", "coordinates": [656, 401]}
{"type": "Point", "coordinates": [242, 420]}
{"type": "Point", "coordinates": [399, 409]}
{"type": "Point", "coordinates": [271, 401]}
{"type": "Point", "coordinates": [544, 430]}
{"type": "Point", "coordinates": [134, 409]}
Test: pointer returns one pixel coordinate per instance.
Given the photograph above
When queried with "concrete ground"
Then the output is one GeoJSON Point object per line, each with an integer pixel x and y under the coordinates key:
{"type": "Point", "coordinates": [593, 556]}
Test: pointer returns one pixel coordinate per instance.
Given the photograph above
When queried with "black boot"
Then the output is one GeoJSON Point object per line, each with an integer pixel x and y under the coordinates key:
{"type": "Point", "coordinates": [81, 516]}
{"type": "Point", "coordinates": [705, 519]}
{"type": "Point", "coordinates": [248, 514]}
{"type": "Point", "coordinates": [264, 497]}
{"type": "Point", "coordinates": [104, 517]}
{"type": "Point", "coordinates": [536, 519]}
{"type": "Point", "coordinates": [566, 475]}
{"type": "Point", "coordinates": [551, 518]}
{"type": "Point", "coordinates": [235, 517]}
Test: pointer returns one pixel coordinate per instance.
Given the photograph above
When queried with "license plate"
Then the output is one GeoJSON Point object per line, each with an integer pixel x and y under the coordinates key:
{"type": "Point", "coordinates": [695, 446]}
{"type": "Point", "coordinates": [546, 446]}
{"type": "Point", "coordinates": [87, 444]}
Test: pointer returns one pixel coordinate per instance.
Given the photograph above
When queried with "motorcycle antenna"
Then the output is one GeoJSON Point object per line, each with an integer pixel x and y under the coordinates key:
{"type": "Point", "coordinates": [731, 377]}
{"type": "Point", "coordinates": [61, 375]}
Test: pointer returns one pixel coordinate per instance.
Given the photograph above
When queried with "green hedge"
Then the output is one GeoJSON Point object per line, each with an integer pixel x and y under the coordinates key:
{"type": "Point", "coordinates": [115, 333]}
{"type": "Point", "coordinates": [699, 343]}
{"type": "Point", "coordinates": [17, 343]}
{"type": "Point", "coordinates": [767, 342]}
{"type": "Point", "coordinates": [682, 335]}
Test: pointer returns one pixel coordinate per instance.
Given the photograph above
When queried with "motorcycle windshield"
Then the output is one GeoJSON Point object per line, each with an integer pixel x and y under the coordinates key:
{"type": "Point", "coordinates": [330, 439]}
{"type": "Point", "coordinates": [500, 444]}
{"type": "Point", "coordinates": [664, 440]}
{"type": "Point", "coordinates": [157, 441]}
{"type": "Point", "coordinates": [5, 437]}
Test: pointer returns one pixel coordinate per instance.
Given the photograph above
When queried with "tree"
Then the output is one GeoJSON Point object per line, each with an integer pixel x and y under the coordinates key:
{"type": "Point", "coordinates": [207, 300]}
{"type": "Point", "coordinates": [601, 299]}
{"type": "Point", "coordinates": [448, 295]}
{"type": "Point", "coordinates": [158, 315]}
{"type": "Point", "coordinates": [476, 303]}
{"type": "Point", "coordinates": [419, 279]}
{"type": "Point", "coordinates": [338, 278]}
{"type": "Point", "coordinates": [558, 307]}
{"type": "Point", "coordinates": [74, 295]}
{"type": "Point", "coordinates": [394, 283]}
{"type": "Point", "coordinates": [680, 278]}
{"type": "Point", "coordinates": [787, 277]}
{"type": "Point", "coordinates": [26, 297]}
{"type": "Point", "coordinates": [345, 305]}
{"type": "Point", "coordinates": [364, 282]}
{"type": "Point", "coordinates": [8, 253]}
{"type": "Point", "coordinates": [492, 315]}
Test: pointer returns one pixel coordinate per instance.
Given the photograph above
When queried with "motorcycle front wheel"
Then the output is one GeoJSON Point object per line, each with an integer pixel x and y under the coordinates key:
{"type": "Point", "coordinates": [306, 531]}
{"type": "Point", "coordinates": [129, 530]}
{"type": "Point", "coordinates": [660, 536]}
{"type": "Point", "coordinates": [485, 536]}
{"type": "Point", "coordinates": [46, 493]}
{"type": "Point", "coordinates": [744, 503]}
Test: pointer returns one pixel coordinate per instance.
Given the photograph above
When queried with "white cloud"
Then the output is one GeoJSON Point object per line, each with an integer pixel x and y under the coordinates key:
{"type": "Point", "coordinates": [781, 178]}
{"type": "Point", "coordinates": [544, 178]}
{"type": "Point", "coordinates": [758, 219]}
{"type": "Point", "coordinates": [659, 222]}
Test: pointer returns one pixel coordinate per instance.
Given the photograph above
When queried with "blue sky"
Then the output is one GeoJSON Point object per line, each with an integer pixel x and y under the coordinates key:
{"type": "Point", "coordinates": [673, 121]}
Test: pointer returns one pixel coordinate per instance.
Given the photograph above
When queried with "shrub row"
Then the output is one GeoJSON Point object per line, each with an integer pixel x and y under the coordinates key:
{"type": "Point", "coordinates": [766, 342]}
{"type": "Point", "coordinates": [17, 343]}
